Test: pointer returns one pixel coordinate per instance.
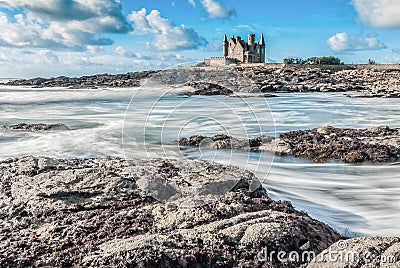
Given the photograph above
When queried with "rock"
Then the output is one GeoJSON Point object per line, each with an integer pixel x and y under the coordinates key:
{"type": "Point", "coordinates": [94, 81]}
{"type": "Point", "coordinates": [267, 95]}
{"type": "Point", "coordinates": [355, 157]}
{"type": "Point", "coordinates": [205, 88]}
{"type": "Point", "coordinates": [222, 141]}
{"type": "Point", "coordinates": [360, 252]}
{"type": "Point", "coordinates": [98, 212]}
{"type": "Point", "coordinates": [379, 144]}
{"type": "Point", "coordinates": [35, 127]}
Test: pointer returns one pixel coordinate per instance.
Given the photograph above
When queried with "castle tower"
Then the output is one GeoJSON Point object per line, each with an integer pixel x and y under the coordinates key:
{"type": "Point", "coordinates": [250, 38]}
{"type": "Point", "coordinates": [262, 48]}
{"type": "Point", "coordinates": [225, 46]}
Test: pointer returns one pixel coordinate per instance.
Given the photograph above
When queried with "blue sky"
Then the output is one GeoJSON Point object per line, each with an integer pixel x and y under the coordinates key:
{"type": "Point", "coordinates": [78, 37]}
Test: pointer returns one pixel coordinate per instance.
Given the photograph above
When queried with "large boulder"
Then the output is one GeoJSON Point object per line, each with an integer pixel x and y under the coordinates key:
{"type": "Point", "coordinates": [145, 213]}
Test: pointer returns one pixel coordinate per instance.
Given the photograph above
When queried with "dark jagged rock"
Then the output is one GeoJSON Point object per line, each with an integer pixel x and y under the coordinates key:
{"type": "Point", "coordinates": [379, 144]}
{"type": "Point", "coordinates": [222, 141]}
{"type": "Point", "coordinates": [268, 95]}
{"type": "Point", "coordinates": [207, 89]}
{"type": "Point", "coordinates": [99, 212]}
{"type": "Point", "coordinates": [35, 127]}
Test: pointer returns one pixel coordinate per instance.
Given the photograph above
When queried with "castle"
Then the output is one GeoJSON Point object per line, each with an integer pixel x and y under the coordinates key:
{"type": "Point", "coordinates": [236, 50]}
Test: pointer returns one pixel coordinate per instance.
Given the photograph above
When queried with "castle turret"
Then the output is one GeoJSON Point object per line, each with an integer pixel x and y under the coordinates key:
{"type": "Point", "coordinates": [262, 48]}
{"type": "Point", "coordinates": [251, 40]}
{"type": "Point", "coordinates": [225, 46]}
{"type": "Point", "coordinates": [262, 42]}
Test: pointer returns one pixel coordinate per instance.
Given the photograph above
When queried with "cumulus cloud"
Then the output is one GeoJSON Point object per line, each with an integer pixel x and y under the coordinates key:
{"type": "Point", "coordinates": [379, 13]}
{"type": "Point", "coordinates": [105, 13]}
{"type": "Point", "coordinates": [192, 2]}
{"type": "Point", "coordinates": [216, 10]}
{"type": "Point", "coordinates": [167, 36]}
{"type": "Point", "coordinates": [61, 24]}
{"type": "Point", "coordinates": [341, 42]}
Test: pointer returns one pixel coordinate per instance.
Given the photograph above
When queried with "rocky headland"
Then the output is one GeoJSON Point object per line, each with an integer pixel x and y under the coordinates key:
{"type": "Point", "coordinates": [370, 81]}
{"type": "Point", "coordinates": [108, 212]}
{"type": "Point", "coordinates": [378, 144]}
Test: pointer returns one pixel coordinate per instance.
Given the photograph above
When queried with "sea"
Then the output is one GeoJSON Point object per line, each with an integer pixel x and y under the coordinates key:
{"type": "Point", "coordinates": [146, 122]}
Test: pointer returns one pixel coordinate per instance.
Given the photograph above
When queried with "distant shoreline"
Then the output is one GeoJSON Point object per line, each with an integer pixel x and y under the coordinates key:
{"type": "Point", "coordinates": [372, 80]}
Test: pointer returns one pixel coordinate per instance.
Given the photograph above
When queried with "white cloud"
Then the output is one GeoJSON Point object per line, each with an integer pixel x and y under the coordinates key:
{"type": "Point", "coordinates": [61, 24]}
{"type": "Point", "coordinates": [216, 10]}
{"type": "Point", "coordinates": [106, 13]}
{"type": "Point", "coordinates": [192, 2]}
{"type": "Point", "coordinates": [379, 13]}
{"type": "Point", "coordinates": [167, 36]}
{"type": "Point", "coordinates": [343, 42]}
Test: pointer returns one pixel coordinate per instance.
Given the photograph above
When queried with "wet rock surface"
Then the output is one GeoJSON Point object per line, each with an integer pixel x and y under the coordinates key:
{"type": "Point", "coordinates": [222, 141]}
{"type": "Point", "coordinates": [95, 212]}
{"type": "Point", "coordinates": [378, 144]}
{"type": "Point", "coordinates": [34, 127]}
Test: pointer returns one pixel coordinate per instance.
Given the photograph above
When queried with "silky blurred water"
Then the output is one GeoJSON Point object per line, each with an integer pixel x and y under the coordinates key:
{"type": "Point", "coordinates": [354, 199]}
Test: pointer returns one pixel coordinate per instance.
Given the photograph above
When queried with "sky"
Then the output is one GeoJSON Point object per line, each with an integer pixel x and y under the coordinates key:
{"type": "Point", "coordinates": [50, 38]}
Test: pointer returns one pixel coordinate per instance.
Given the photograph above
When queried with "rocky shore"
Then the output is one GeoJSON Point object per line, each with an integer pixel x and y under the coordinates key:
{"type": "Point", "coordinates": [106, 212]}
{"type": "Point", "coordinates": [34, 127]}
{"type": "Point", "coordinates": [379, 144]}
{"type": "Point", "coordinates": [370, 82]}
{"type": "Point", "coordinates": [132, 79]}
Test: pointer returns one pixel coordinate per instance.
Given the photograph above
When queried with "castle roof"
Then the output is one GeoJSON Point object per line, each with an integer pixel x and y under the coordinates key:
{"type": "Point", "coordinates": [262, 42]}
